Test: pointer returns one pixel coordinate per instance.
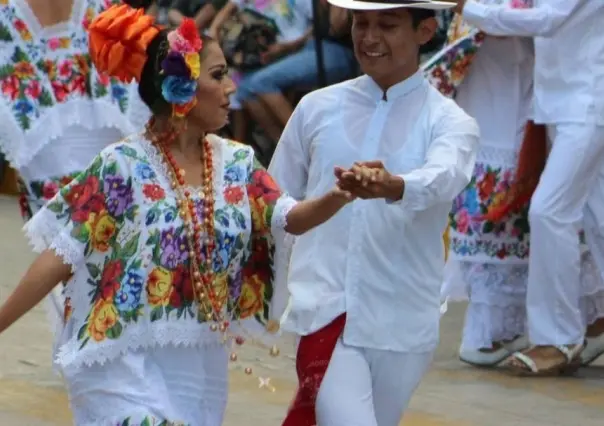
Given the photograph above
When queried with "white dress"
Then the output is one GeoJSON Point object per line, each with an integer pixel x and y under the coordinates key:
{"type": "Point", "coordinates": [134, 349]}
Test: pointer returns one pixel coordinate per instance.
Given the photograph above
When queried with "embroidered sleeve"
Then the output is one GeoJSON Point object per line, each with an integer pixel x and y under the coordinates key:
{"type": "Point", "coordinates": [268, 204]}
{"type": "Point", "coordinates": [86, 215]}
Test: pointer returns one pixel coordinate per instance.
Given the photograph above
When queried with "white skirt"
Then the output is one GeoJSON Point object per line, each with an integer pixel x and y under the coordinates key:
{"type": "Point", "coordinates": [167, 386]}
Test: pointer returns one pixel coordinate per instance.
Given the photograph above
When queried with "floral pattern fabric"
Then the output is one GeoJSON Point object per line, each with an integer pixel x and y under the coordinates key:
{"type": "Point", "coordinates": [118, 225]}
{"type": "Point", "coordinates": [480, 240]}
{"type": "Point", "coordinates": [48, 82]}
{"type": "Point", "coordinates": [34, 195]}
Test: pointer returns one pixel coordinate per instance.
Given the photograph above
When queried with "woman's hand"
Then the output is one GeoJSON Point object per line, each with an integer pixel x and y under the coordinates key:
{"type": "Point", "coordinates": [368, 180]}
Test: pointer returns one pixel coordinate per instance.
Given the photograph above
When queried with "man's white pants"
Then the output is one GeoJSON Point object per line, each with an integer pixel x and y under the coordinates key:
{"type": "Point", "coordinates": [368, 387]}
{"type": "Point", "coordinates": [571, 189]}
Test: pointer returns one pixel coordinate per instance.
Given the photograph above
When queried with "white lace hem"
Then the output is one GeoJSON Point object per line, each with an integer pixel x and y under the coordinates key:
{"type": "Point", "coordinates": [21, 147]}
{"type": "Point", "coordinates": [44, 232]}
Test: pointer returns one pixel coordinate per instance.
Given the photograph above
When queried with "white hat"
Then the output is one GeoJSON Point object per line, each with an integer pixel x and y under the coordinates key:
{"type": "Point", "coordinates": [393, 4]}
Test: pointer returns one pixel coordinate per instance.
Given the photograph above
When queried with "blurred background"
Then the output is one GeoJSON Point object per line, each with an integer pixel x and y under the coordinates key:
{"type": "Point", "coordinates": [278, 50]}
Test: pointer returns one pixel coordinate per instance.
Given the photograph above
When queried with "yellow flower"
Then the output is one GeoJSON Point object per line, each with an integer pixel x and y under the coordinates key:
{"type": "Point", "coordinates": [65, 42]}
{"type": "Point", "coordinates": [221, 288]}
{"type": "Point", "coordinates": [159, 286]}
{"type": "Point", "coordinates": [251, 300]}
{"type": "Point", "coordinates": [24, 70]}
{"type": "Point", "coordinates": [101, 228]}
{"type": "Point", "coordinates": [258, 207]}
{"type": "Point", "coordinates": [194, 65]}
{"type": "Point", "coordinates": [104, 315]}
{"type": "Point", "coordinates": [25, 35]}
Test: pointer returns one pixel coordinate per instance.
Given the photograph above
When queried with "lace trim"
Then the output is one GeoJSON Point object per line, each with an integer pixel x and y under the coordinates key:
{"type": "Point", "coordinates": [20, 147]}
{"type": "Point", "coordinates": [496, 155]}
{"type": "Point", "coordinates": [283, 206]}
{"type": "Point", "coordinates": [134, 337]}
{"type": "Point", "coordinates": [44, 232]}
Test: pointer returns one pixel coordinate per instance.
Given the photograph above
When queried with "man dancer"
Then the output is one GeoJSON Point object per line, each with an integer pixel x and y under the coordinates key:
{"type": "Point", "coordinates": [569, 93]}
{"type": "Point", "coordinates": [365, 288]}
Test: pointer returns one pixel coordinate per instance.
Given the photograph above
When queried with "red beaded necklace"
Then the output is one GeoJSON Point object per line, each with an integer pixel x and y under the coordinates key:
{"type": "Point", "coordinates": [200, 236]}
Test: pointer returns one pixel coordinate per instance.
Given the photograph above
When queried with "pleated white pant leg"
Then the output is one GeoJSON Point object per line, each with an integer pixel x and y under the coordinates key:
{"type": "Point", "coordinates": [368, 387]}
{"type": "Point", "coordinates": [556, 214]}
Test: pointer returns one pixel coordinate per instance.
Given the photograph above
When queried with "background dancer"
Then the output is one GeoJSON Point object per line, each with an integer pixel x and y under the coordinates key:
{"type": "Point", "coordinates": [571, 187]}
{"type": "Point", "coordinates": [58, 110]}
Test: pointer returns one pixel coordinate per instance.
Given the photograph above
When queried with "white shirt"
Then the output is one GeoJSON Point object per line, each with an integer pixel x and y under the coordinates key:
{"type": "Point", "coordinates": [379, 262]}
{"type": "Point", "coordinates": [292, 17]}
{"type": "Point", "coordinates": [569, 54]}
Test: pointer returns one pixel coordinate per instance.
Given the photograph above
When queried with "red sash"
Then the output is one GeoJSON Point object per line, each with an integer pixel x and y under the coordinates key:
{"type": "Point", "coordinates": [312, 360]}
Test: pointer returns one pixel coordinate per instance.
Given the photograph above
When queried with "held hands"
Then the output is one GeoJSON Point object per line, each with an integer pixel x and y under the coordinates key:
{"type": "Point", "coordinates": [368, 180]}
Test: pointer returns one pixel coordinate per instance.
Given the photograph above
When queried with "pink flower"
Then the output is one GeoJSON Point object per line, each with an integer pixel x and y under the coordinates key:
{"type": "Point", "coordinates": [54, 43]}
{"type": "Point", "coordinates": [463, 221]}
{"type": "Point", "coordinates": [179, 44]}
{"type": "Point", "coordinates": [521, 4]}
{"type": "Point", "coordinates": [49, 190]}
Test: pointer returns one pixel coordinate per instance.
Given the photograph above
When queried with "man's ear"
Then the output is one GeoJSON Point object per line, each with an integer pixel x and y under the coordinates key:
{"type": "Point", "coordinates": [426, 30]}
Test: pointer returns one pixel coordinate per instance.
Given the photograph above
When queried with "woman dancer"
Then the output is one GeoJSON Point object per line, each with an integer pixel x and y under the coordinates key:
{"type": "Point", "coordinates": [165, 240]}
{"type": "Point", "coordinates": [58, 111]}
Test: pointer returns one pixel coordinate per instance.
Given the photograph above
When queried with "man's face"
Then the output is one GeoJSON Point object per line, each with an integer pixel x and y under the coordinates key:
{"type": "Point", "coordinates": [386, 44]}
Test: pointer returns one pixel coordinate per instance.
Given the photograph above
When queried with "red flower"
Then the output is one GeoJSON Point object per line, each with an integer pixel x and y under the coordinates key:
{"type": "Point", "coordinates": [486, 186]}
{"type": "Point", "coordinates": [502, 253]}
{"type": "Point", "coordinates": [154, 192]}
{"type": "Point", "coordinates": [263, 186]}
{"type": "Point", "coordinates": [33, 89]}
{"type": "Point", "coordinates": [81, 193]}
{"type": "Point", "coordinates": [94, 205]}
{"type": "Point", "coordinates": [20, 25]}
{"type": "Point", "coordinates": [233, 194]}
{"type": "Point", "coordinates": [49, 190]}
{"type": "Point", "coordinates": [182, 287]}
{"type": "Point", "coordinates": [60, 90]}
{"type": "Point", "coordinates": [10, 87]}
{"type": "Point", "coordinates": [65, 69]}
{"type": "Point", "coordinates": [188, 30]}
{"type": "Point", "coordinates": [104, 79]}
{"type": "Point", "coordinates": [78, 85]}
{"type": "Point", "coordinates": [110, 279]}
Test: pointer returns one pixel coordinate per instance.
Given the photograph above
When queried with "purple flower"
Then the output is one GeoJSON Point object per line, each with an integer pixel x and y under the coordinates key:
{"type": "Point", "coordinates": [174, 249]}
{"type": "Point", "coordinates": [235, 284]}
{"type": "Point", "coordinates": [174, 64]}
{"type": "Point", "coordinates": [119, 195]}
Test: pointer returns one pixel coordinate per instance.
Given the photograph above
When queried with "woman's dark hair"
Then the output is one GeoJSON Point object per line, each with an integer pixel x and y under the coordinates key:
{"type": "Point", "coordinates": [149, 85]}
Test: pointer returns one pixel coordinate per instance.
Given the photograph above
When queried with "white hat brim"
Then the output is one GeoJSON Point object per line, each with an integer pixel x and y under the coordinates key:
{"type": "Point", "coordinates": [364, 5]}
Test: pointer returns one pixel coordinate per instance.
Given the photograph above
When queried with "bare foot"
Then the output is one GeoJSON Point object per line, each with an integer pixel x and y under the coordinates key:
{"type": "Point", "coordinates": [544, 357]}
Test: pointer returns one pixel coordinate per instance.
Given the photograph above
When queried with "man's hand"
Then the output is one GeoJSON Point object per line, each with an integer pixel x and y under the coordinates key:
{"type": "Point", "coordinates": [370, 179]}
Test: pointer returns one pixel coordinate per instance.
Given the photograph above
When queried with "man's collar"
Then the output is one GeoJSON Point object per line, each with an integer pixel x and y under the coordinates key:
{"type": "Point", "coordinates": [399, 90]}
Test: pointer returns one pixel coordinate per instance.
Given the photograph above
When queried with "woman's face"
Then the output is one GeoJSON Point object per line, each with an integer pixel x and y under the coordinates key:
{"type": "Point", "coordinates": [213, 91]}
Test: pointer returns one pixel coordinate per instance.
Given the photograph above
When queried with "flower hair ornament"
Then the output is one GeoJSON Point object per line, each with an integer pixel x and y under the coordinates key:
{"type": "Point", "coordinates": [181, 68]}
{"type": "Point", "coordinates": [119, 38]}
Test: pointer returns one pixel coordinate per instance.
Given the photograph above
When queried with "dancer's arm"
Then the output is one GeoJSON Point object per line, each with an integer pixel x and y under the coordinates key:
{"type": "Point", "coordinates": [542, 20]}
{"type": "Point", "coordinates": [46, 272]}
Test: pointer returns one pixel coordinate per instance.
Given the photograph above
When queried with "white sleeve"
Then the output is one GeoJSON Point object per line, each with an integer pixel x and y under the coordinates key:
{"type": "Point", "coordinates": [449, 163]}
{"type": "Point", "coordinates": [291, 160]}
{"type": "Point", "coordinates": [542, 20]}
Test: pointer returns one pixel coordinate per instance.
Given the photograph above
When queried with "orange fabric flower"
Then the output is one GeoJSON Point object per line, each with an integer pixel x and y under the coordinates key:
{"type": "Point", "coordinates": [119, 38]}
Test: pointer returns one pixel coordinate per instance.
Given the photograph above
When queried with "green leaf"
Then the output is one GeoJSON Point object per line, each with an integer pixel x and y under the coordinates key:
{"type": "Point", "coordinates": [95, 167]}
{"type": "Point", "coordinates": [5, 34]}
{"type": "Point", "coordinates": [99, 90]}
{"type": "Point", "coordinates": [128, 151]}
{"type": "Point", "coordinates": [146, 422]}
{"type": "Point", "coordinates": [115, 331]}
{"type": "Point", "coordinates": [136, 264]}
{"type": "Point", "coordinates": [93, 270]}
{"type": "Point", "coordinates": [239, 218]}
{"type": "Point", "coordinates": [45, 99]}
{"type": "Point", "coordinates": [130, 248]}
{"type": "Point", "coordinates": [24, 121]}
{"type": "Point", "coordinates": [80, 233]}
{"type": "Point", "coordinates": [488, 227]}
{"type": "Point", "coordinates": [241, 154]}
{"type": "Point", "coordinates": [110, 169]}
{"type": "Point", "coordinates": [6, 71]}
{"type": "Point", "coordinates": [82, 331]}
{"type": "Point", "coordinates": [20, 56]}
{"type": "Point", "coordinates": [126, 422]}
{"type": "Point", "coordinates": [55, 207]}
{"type": "Point", "coordinates": [157, 313]}
{"type": "Point", "coordinates": [84, 343]}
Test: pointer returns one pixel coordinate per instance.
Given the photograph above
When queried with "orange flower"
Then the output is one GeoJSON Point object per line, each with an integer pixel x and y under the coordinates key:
{"type": "Point", "coordinates": [159, 287]}
{"type": "Point", "coordinates": [103, 317]}
{"type": "Point", "coordinates": [251, 300]}
{"type": "Point", "coordinates": [119, 37]}
{"type": "Point", "coordinates": [24, 70]}
{"type": "Point", "coordinates": [233, 195]}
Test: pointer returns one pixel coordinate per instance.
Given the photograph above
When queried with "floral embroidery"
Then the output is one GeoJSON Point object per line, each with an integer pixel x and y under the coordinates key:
{"type": "Point", "coordinates": [136, 265]}
{"type": "Point", "coordinates": [148, 421]}
{"type": "Point", "coordinates": [471, 237]}
{"type": "Point", "coordinates": [42, 72]}
{"type": "Point", "coordinates": [34, 195]}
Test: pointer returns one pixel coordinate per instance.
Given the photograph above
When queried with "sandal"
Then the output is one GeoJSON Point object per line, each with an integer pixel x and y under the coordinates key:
{"type": "Point", "coordinates": [594, 348]}
{"type": "Point", "coordinates": [529, 367]}
{"type": "Point", "coordinates": [478, 358]}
